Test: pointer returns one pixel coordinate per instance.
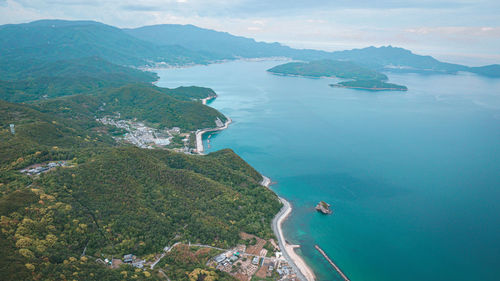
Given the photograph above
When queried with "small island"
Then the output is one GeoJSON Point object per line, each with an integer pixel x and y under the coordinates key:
{"type": "Point", "coordinates": [324, 208]}
{"type": "Point", "coordinates": [360, 77]}
{"type": "Point", "coordinates": [370, 85]}
{"type": "Point", "coordinates": [328, 68]}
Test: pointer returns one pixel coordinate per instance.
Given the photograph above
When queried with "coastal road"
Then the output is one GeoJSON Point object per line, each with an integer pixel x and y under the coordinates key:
{"type": "Point", "coordinates": [304, 273]}
{"type": "Point", "coordinates": [199, 135]}
{"type": "Point", "coordinates": [246, 254]}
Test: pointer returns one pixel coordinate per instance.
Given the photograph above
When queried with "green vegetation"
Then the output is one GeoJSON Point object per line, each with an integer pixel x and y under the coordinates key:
{"type": "Point", "coordinates": [122, 200]}
{"type": "Point", "coordinates": [40, 136]}
{"type": "Point", "coordinates": [328, 68]}
{"type": "Point", "coordinates": [37, 79]}
{"type": "Point", "coordinates": [158, 107]}
{"type": "Point", "coordinates": [372, 85]}
{"type": "Point", "coordinates": [53, 40]}
{"type": "Point", "coordinates": [190, 93]}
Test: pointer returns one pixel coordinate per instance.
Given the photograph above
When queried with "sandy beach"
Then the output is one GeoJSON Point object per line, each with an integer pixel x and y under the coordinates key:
{"type": "Point", "coordinates": [205, 100]}
{"type": "Point", "coordinates": [304, 272]}
{"type": "Point", "coordinates": [199, 135]}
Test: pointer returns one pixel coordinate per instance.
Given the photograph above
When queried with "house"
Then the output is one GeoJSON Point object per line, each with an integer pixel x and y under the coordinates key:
{"type": "Point", "coordinates": [233, 259]}
{"type": "Point", "coordinates": [220, 258]}
{"type": "Point", "coordinates": [139, 264]}
{"type": "Point", "coordinates": [128, 258]}
{"type": "Point", "coordinates": [255, 260]}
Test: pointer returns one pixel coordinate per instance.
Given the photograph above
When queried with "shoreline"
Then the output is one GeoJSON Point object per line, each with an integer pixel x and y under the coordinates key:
{"type": "Point", "coordinates": [205, 100]}
{"type": "Point", "coordinates": [301, 76]}
{"type": "Point", "coordinates": [199, 135]}
{"type": "Point", "coordinates": [161, 66]}
{"type": "Point", "coordinates": [304, 272]}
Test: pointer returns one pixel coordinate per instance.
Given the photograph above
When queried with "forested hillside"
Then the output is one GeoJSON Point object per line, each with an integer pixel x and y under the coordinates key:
{"type": "Point", "coordinates": [71, 196]}
{"type": "Point", "coordinates": [52, 40]}
{"type": "Point", "coordinates": [112, 200]}
{"type": "Point", "coordinates": [32, 80]}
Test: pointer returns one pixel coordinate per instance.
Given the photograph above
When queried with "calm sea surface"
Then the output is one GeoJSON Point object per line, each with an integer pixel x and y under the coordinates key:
{"type": "Point", "coordinates": [413, 177]}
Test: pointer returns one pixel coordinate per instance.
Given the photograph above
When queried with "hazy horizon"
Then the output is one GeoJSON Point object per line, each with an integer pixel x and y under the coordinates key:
{"type": "Point", "coordinates": [466, 32]}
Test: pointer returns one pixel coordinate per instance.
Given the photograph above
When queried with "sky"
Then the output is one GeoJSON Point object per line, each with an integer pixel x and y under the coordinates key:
{"type": "Point", "coordinates": [462, 31]}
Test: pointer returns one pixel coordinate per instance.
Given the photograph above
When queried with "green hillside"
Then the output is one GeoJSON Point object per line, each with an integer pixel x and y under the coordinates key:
{"type": "Point", "coordinates": [190, 93]}
{"type": "Point", "coordinates": [112, 200]}
{"type": "Point", "coordinates": [52, 40]}
{"type": "Point", "coordinates": [39, 136]}
{"type": "Point", "coordinates": [37, 80]}
{"type": "Point", "coordinates": [155, 106]}
{"type": "Point", "coordinates": [129, 200]}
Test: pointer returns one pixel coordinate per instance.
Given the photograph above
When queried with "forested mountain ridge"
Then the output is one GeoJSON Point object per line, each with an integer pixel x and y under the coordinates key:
{"type": "Point", "coordinates": [51, 40]}
{"type": "Point", "coordinates": [229, 46]}
{"type": "Point", "coordinates": [172, 44]}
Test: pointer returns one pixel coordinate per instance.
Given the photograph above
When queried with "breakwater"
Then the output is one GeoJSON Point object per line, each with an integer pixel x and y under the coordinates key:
{"type": "Point", "coordinates": [331, 263]}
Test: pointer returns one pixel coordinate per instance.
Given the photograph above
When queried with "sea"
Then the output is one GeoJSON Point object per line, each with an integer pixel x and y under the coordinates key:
{"type": "Point", "coordinates": [413, 177]}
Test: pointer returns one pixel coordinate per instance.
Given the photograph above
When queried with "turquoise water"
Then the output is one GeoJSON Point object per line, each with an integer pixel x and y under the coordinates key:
{"type": "Point", "coordinates": [414, 178]}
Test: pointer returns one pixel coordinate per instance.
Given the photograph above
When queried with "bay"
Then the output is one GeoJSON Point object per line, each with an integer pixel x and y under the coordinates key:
{"type": "Point", "coordinates": [413, 177]}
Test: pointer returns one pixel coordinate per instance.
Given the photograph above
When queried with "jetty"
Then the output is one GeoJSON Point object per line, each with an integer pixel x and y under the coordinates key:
{"type": "Point", "coordinates": [332, 263]}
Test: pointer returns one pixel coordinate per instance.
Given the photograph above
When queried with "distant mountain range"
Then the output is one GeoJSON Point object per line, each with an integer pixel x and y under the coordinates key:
{"type": "Point", "coordinates": [227, 46]}
{"type": "Point", "coordinates": [187, 44]}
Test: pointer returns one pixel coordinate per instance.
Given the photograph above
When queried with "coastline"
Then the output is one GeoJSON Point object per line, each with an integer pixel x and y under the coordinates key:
{"type": "Point", "coordinates": [160, 66]}
{"type": "Point", "coordinates": [303, 271]}
{"type": "Point", "coordinates": [300, 76]}
{"type": "Point", "coordinates": [199, 135]}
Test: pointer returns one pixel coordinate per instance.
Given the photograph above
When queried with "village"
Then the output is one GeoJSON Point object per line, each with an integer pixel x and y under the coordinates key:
{"type": "Point", "coordinates": [244, 262]}
{"type": "Point", "coordinates": [140, 135]}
